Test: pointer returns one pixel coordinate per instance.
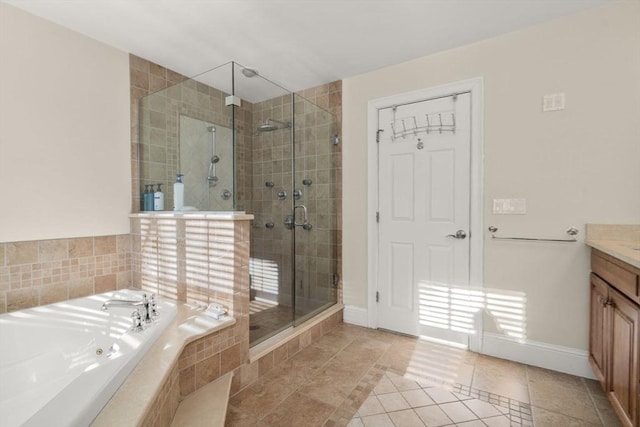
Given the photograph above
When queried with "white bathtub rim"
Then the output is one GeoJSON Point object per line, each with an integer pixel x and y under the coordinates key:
{"type": "Point", "coordinates": [49, 392]}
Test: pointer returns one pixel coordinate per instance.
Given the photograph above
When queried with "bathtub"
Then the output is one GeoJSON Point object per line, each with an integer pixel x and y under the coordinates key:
{"type": "Point", "coordinates": [61, 363]}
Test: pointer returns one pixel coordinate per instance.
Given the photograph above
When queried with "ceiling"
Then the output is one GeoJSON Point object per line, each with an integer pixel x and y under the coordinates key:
{"type": "Point", "coordinates": [295, 43]}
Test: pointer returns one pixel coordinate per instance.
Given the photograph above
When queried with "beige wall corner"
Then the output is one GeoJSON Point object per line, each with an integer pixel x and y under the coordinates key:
{"type": "Point", "coordinates": [65, 166]}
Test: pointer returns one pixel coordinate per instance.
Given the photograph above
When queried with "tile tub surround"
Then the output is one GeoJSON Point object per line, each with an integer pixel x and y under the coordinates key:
{"type": "Point", "coordinates": [42, 272]}
{"type": "Point", "coordinates": [621, 241]}
{"type": "Point", "coordinates": [194, 257]}
{"type": "Point", "coordinates": [198, 258]}
{"type": "Point", "coordinates": [151, 393]}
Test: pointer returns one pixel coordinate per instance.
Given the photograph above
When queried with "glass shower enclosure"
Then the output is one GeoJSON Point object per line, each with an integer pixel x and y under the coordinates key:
{"type": "Point", "coordinates": [244, 143]}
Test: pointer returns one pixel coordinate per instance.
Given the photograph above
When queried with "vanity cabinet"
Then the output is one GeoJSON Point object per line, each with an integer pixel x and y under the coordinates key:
{"type": "Point", "coordinates": [614, 336]}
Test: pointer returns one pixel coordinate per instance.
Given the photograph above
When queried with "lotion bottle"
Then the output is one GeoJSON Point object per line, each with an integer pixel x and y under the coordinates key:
{"type": "Point", "coordinates": [178, 193]}
{"type": "Point", "coordinates": [158, 199]}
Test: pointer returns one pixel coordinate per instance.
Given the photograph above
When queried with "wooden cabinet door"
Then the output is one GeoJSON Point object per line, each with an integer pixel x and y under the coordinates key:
{"type": "Point", "coordinates": [598, 327]}
{"type": "Point", "coordinates": [623, 367]}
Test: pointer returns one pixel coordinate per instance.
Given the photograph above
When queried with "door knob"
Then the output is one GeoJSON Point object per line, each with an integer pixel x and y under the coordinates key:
{"type": "Point", "coordinates": [460, 234]}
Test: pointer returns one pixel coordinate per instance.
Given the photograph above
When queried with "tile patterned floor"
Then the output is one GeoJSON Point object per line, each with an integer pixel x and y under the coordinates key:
{"type": "Point", "coordinates": [360, 377]}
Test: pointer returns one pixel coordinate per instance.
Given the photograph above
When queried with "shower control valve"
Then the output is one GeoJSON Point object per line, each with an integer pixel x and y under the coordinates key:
{"type": "Point", "coordinates": [282, 195]}
{"type": "Point", "coordinates": [288, 222]}
{"type": "Point", "coordinates": [297, 194]}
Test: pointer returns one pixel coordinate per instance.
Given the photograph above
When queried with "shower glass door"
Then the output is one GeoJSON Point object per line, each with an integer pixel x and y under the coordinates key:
{"type": "Point", "coordinates": [315, 199]}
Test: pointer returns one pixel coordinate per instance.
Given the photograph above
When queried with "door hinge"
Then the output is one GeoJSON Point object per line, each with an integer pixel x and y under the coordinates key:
{"type": "Point", "coordinates": [378, 132]}
{"type": "Point", "coordinates": [377, 216]}
{"type": "Point", "coordinates": [377, 296]}
{"type": "Point", "coordinates": [336, 279]}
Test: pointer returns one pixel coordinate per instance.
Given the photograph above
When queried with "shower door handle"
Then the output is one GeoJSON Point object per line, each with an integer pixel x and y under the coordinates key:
{"type": "Point", "coordinates": [305, 218]}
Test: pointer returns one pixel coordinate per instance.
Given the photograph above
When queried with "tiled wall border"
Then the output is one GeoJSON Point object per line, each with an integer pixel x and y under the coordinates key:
{"type": "Point", "coordinates": [35, 273]}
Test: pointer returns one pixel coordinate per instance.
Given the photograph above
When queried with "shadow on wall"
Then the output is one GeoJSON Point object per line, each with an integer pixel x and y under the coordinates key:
{"type": "Point", "coordinates": [189, 261]}
{"type": "Point", "coordinates": [456, 309]}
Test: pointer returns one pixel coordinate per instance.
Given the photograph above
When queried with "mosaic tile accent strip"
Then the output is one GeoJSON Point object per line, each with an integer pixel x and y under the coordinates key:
{"type": "Point", "coordinates": [385, 396]}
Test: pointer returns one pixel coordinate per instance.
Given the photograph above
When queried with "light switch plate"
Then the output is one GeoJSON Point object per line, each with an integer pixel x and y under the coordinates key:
{"type": "Point", "coordinates": [510, 206]}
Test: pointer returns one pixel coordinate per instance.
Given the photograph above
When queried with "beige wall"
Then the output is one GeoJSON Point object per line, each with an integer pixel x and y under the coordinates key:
{"type": "Point", "coordinates": [577, 166]}
{"type": "Point", "coordinates": [64, 132]}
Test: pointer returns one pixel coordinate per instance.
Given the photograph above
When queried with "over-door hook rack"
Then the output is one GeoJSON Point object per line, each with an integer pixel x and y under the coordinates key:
{"type": "Point", "coordinates": [571, 231]}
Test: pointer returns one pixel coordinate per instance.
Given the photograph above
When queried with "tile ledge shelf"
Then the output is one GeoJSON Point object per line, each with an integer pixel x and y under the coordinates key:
{"type": "Point", "coordinates": [218, 215]}
{"type": "Point", "coordinates": [131, 403]}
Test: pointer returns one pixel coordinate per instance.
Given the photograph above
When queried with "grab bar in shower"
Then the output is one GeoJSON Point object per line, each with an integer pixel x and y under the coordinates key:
{"type": "Point", "coordinates": [571, 231]}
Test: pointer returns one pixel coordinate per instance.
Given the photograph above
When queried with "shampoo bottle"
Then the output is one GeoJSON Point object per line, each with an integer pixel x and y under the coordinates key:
{"type": "Point", "coordinates": [178, 193]}
{"type": "Point", "coordinates": [158, 199]}
{"type": "Point", "coordinates": [148, 199]}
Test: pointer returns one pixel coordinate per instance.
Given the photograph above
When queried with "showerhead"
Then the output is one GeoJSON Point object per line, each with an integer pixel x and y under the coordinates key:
{"type": "Point", "coordinates": [267, 127]}
{"type": "Point", "coordinates": [272, 124]}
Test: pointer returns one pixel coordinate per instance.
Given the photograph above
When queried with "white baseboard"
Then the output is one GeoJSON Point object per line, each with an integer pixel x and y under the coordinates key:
{"type": "Point", "coordinates": [355, 316]}
{"type": "Point", "coordinates": [548, 356]}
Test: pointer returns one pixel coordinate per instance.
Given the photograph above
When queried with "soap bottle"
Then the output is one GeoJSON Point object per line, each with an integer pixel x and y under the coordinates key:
{"type": "Point", "coordinates": [148, 199]}
{"type": "Point", "coordinates": [158, 199]}
{"type": "Point", "coordinates": [142, 193]}
{"type": "Point", "coordinates": [178, 193]}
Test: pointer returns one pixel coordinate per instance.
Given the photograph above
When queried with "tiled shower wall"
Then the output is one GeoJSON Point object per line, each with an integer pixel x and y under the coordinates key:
{"type": "Point", "coordinates": [46, 271]}
{"type": "Point", "coordinates": [272, 163]}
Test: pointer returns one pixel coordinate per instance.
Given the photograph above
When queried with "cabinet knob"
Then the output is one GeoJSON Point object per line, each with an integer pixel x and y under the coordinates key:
{"type": "Point", "coordinates": [608, 301]}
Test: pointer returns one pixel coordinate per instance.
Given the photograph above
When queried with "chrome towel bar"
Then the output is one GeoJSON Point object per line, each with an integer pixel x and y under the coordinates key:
{"type": "Point", "coordinates": [571, 231]}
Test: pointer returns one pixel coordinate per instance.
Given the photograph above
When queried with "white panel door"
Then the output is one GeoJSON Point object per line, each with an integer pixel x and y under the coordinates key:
{"type": "Point", "coordinates": [424, 200]}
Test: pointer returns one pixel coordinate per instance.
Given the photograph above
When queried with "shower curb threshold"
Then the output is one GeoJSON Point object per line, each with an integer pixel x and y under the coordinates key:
{"type": "Point", "coordinates": [265, 347]}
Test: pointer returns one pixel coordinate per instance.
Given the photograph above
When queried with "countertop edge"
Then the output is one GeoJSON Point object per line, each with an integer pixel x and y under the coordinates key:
{"type": "Point", "coordinates": [220, 216]}
{"type": "Point", "coordinates": [617, 249]}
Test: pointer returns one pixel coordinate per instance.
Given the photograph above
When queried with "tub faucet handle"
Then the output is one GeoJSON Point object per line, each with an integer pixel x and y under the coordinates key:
{"type": "Point", "coordinates": [146, 308]}
{"type": "Point", "coordinates": [153, 306]}
{"type": "Point", "coordinates": [136, 321]}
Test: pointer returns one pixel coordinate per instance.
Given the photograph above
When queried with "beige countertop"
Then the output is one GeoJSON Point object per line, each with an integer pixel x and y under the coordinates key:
{"type": "Point", "coordinates": [619, 241]}
{"type": "Point", "coordinates": [130, 403]}
{"type": "Point", "coordinates": [217, 215]}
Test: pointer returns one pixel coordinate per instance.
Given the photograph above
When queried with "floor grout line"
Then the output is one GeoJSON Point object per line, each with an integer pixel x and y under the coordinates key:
{"type": "Point", "coordinates": [512, 411]}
